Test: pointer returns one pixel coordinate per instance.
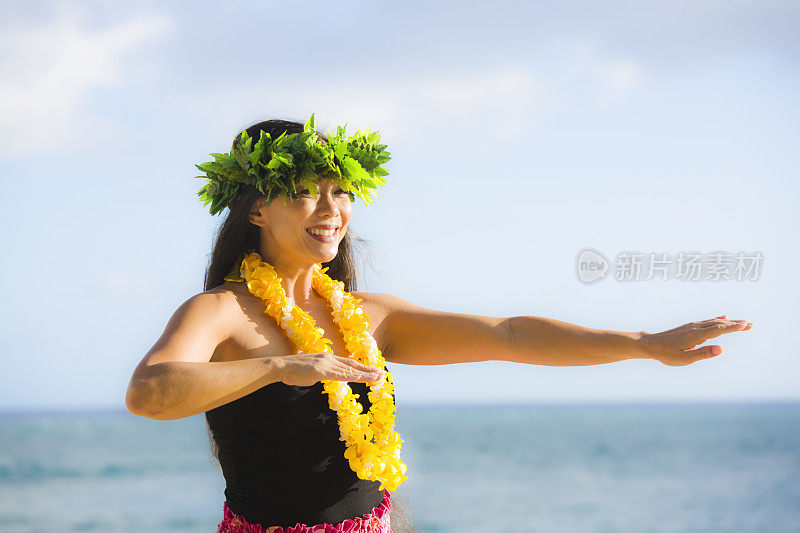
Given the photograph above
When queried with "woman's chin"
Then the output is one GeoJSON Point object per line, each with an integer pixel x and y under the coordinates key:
{"type": "Point", "coordinates": [325, 255]}
{"type": "Point", "coordinates": [327, 258]}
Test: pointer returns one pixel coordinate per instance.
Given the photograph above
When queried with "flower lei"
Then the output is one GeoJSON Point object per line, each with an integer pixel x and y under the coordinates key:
{"type": "Point", "coordinates": [374, 461]}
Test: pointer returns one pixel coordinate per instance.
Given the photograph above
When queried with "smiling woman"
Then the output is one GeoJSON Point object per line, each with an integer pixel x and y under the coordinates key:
{"type": "Point", "coordinates": [289, 367]}
{"type": "Point", "coordinates": [237, 235]}
{"type": "Point", "coordinates": [270, 427]}
{"type": "Point", "coordinates": [290, 235]}
{"type": "Point", "coordinates": [290, 228]}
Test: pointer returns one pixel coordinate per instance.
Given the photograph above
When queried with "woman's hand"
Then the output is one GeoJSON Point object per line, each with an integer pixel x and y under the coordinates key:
{"type": "Point", "coordinates": [305, 369]}
{"type": "Point", "coordinates": [676, 347]}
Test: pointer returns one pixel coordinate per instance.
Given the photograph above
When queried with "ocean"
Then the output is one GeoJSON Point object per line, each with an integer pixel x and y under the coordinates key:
{"type": "Point", "coordinates": [537, 468]}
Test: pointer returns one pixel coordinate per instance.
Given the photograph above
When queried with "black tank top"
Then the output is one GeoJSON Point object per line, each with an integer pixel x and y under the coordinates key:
{"type": "Point", "coordinates": [282, 459]}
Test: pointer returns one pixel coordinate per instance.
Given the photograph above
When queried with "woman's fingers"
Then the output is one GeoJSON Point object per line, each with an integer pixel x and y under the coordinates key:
{"type": "Point", "coordinates": [680, 346]}
{"type": "Point", "coordinates": [687, 357]}
{"type": "Point", "coordinates": [358, 365]}
{"type": "Point", "coordinates": [720, 321]}
{"type": "Point", "coordinates": [343, 374]}
{"type": "Point", "coordinates": [352, 370]}
{"type": "Point", "coordinates": [703, 352]}
{"type": "Point", "coordinates": [305, 369]}
{"type": "Point", "coordinates": [715, 330]}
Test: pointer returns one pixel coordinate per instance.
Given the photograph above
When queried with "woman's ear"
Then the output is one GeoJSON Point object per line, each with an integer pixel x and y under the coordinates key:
{"type": "Point", "coordinates": [255, 216]}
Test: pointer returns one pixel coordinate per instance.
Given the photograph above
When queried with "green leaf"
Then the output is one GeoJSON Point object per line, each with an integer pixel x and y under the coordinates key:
{"type": "Point", "coordinates": [309, 125]}
{"type": "Point", "coordinates": [276, 166]}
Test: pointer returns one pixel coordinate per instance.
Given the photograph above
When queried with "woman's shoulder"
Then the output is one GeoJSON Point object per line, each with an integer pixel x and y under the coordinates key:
{"type": "Point", "coordinates": [380, 299]}
{"type": "Point", "coordinates": [229, 289]}
{"type": "Point", "coordinates": [376, 304]}
{"type": "Point", "coordinates": [220, 301]}
{"type": "Point", "coordinates": [224, 306]}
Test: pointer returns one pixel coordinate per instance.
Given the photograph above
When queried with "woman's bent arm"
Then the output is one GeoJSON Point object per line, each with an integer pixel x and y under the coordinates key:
{"type": "Point", "coordinates": [177, 378]}
{"type": "Point", "coordinates": [178, 389]}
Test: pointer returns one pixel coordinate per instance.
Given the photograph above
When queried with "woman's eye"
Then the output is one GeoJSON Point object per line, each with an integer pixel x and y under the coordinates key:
{"type": "Point", "coordinates": [304, 192]}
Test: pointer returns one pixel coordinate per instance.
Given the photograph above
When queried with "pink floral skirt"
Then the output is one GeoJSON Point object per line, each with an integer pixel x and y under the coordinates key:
{"type": "Point", "coordinates": [376, 521]}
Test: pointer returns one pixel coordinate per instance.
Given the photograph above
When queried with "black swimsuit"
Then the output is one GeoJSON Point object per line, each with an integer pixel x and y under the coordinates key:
{"type": "Point", "coordinates": [282, 459]}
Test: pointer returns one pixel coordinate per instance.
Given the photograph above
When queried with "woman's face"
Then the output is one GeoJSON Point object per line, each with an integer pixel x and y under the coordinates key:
{"type": "Point", "coordinates": [286, 230]}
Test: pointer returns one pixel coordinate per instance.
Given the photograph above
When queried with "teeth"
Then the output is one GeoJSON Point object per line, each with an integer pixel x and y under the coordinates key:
{"type": "Point", "coordinates": [325, 233]}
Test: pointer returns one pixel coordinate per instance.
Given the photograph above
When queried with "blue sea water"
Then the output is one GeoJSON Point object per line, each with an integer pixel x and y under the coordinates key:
{"type": "Point", "coordinates": [542, 468]}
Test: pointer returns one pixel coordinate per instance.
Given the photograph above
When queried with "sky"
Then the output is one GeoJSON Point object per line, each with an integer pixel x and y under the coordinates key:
{"type": "Point", "coordinates": [521, 134]}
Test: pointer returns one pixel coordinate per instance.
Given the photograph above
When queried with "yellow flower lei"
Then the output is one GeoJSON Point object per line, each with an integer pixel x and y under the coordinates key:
{"type": "Point", "coordinates": [373, 461]}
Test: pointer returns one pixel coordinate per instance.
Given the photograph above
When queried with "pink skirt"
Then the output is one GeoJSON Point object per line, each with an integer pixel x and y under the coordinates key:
{"type": "Point", "coordinates": [376, 521]}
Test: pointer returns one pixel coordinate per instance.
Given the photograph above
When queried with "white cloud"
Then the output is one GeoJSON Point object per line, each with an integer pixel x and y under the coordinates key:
{"type": "Point", "coordinates": [49, 70]}
{"type": "Point", "coordinates": [619, 77]}
{"type": "Point", "coordinates": [504, 99]}
{"type": "Point", "coordinates": [587, 66]}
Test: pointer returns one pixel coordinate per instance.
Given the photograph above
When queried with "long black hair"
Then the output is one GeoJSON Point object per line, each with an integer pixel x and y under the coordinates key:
{"type": "Point", "coordinates": [237, 236]}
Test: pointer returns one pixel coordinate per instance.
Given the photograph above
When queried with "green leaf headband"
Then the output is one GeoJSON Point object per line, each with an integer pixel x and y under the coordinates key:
{"type": "Point", "coordinates": [276, 166]}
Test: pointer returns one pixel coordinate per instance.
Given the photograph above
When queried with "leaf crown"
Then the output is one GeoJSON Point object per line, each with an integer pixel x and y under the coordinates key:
{"type": "Point", "coordinates": [281, 166]}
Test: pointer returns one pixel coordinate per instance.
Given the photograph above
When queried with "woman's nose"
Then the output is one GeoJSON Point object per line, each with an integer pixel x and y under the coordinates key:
{"type": "Point", "coordinates": [327, 203]}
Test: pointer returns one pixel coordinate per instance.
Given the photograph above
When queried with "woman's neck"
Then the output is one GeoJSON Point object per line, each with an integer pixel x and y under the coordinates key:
{"type": "Point", "coordinates": [296, 279]}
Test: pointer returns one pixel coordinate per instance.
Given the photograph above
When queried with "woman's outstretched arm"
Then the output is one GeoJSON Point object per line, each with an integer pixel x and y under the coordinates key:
{"type": "Point", "coordinates": [546, 341]}
{"type": "Point", "coordinates": [419, 336]}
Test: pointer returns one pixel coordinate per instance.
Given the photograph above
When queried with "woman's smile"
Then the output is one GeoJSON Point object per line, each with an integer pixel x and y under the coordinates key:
{"type": "Point", "coordinates": [324, 235]}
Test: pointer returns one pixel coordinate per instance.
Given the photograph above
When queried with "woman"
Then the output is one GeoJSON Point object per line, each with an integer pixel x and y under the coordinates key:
{"type": "Point", "coordinates": [272, 429]}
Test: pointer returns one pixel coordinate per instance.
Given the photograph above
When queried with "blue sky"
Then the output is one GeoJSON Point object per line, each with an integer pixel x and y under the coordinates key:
{"type": "Point", "coordinates": [521, 133]}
